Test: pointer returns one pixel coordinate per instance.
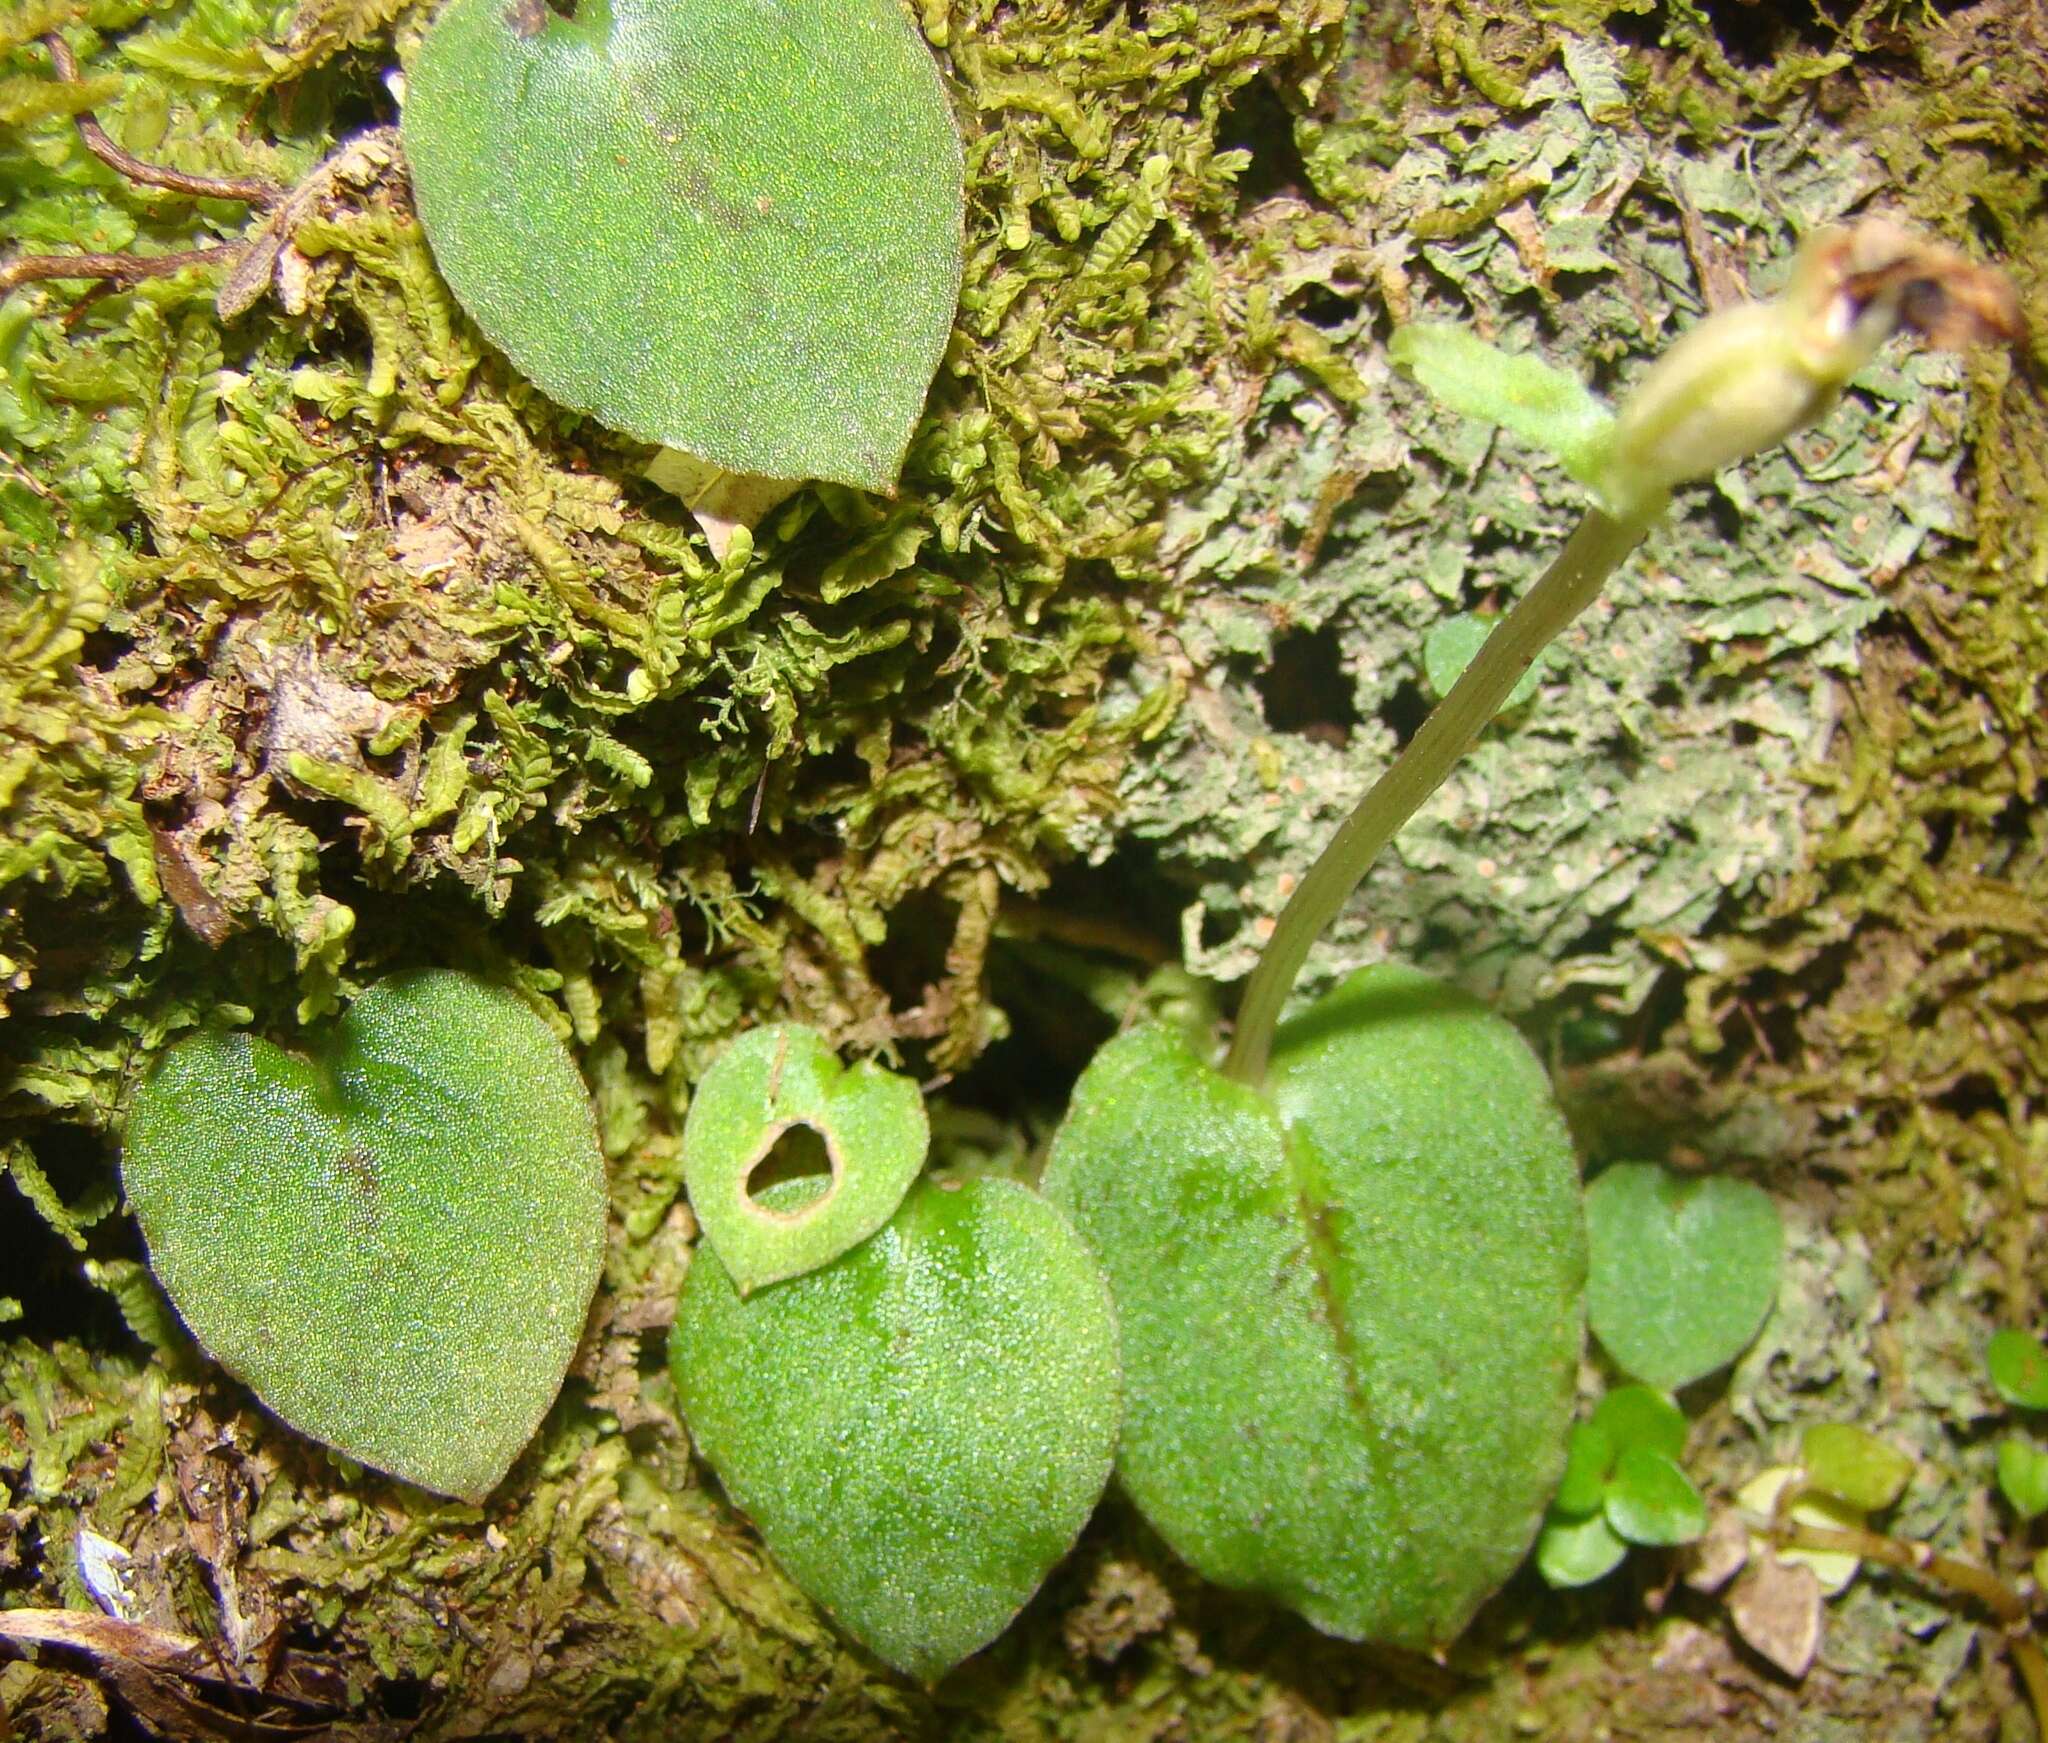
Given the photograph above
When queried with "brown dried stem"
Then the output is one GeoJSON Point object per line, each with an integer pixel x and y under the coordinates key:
{"type": "Point", "coordinates": [1971, 1581]}
{"type": "Point", "coordinates": [122, 269]}
{"type": "Point", "coordinates": [127, 269]}
{"type": "Point", "coordinates": [248, 190]}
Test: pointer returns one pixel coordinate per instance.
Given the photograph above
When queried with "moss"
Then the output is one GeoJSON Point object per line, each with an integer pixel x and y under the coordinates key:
{"type": "Point", "coordinates": [329, 648]}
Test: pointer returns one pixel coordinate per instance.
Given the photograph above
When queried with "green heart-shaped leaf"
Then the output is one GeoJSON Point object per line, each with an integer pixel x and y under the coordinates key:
{"type": "Point", "coordinates": [392, 1241]}
{"type": "Point", "coordinates": [920, 1429]}
{"type": "Point", "coordinates": [767, 1082]}
{"type": "Point", "coordinates": [1351, 1313]}
{"type": "Point", "coordinates": [1682, 1271]}
{"type": "Point", "coordinates": [731, 227]}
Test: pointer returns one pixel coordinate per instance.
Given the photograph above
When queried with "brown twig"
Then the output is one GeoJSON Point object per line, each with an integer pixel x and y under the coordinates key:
{"type": "Point", "coordinates": [123, 269]}
{"type": "Point", "coordinates": [248, 190]}
{"type": "Point", "coordinates": [1917, 1558]}
{"type": "Point", "coordinates": [16, 469]}
{"type": "Point", "coordinates": [127, 269]}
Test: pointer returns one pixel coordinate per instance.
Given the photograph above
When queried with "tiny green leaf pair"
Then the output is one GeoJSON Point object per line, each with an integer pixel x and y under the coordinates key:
{"type": "Point", "coordinates": [1622, 1484]}
{"type": "Point", "coordinates": [910, 1386]}
{"type": "Point", "coordinates": [2019, 1372]}
{"type": "Point", "coordinates": [392, 1239]}
{"type": "Point", "coordinates": [732, 227]}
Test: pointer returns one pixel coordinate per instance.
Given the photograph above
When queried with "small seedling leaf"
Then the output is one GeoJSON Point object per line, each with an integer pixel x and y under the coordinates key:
{"type": "Point", "coordinates": [920, 1429]}
{"type": "Point", "coordinates": [1576, 1552]}
{"type": "Point", "coordinates": [1641, 1416]}
{"type": "Point", "coordinates": [727, 228]}
{"type": "Point", "coordinates": [2019, 1368]}
{"type": "Point", "coordinates": [2023, 1475]}
{"type": "Point", "coordinates": [1588, 1459]}
{"type": "Point", "coordinates": [393, 1239]}
{"type": "Point", "coordinates": [1649, 1500]}
{"type": "Point", "coordinates": [1854, 1465]}
{"type": "Point", "coordinates": [1548, 408]}
{"type": "Point", "coordinates": [768, 1083]}
{"type": "Point", "coordinates": [1683, 1272]}
{"type": "Point", "coordinates": [1350, 1323]}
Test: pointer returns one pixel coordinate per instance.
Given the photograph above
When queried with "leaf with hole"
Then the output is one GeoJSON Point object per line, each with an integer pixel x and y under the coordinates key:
{"type": "Point", "coordinates": [733, 227]}
{"type": "Point", "coordinates": [1683, 1272]}
{"type": "Point", "coordinates": [391, 1239]}
{"type": "Point", "coordinates": [769, 1084]}
{"type": "Point", "coordinates": [1349, 1306]}
{"type": "Point", "coordinates": [921, 1428]}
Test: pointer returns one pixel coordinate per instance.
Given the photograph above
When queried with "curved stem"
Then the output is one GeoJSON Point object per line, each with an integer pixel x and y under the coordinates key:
{"type": "Point", "coordinates": [2005, 1604]}
{"type": "Point", "coordinates": [1593, 552]}
{"type": "Point", "coordinates": [246, 189]}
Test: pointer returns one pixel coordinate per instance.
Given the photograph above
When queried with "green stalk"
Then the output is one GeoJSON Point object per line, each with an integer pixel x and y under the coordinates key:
{"type": "Point", "coordinates": [1567, 587]}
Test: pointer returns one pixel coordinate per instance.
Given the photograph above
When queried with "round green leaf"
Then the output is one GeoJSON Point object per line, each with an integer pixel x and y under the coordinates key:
{"type": "Point", "coordinates": [920, 1429]}
{"type": "Point", "coordinates": [1853, 1465]}
{"type": "Point", "coordinates": [392, 1240]}
{"type": "Point", "coordinates": [1350, 1314]}
{"type": "Point", "coordinates": [731, 227]}
{"type": "Point", "coordinates": [2023, 1475]}
{"type": "Point", "coordinates": [1588, 1458]}
{"type": "Point", "coordinates": [1640, 1416]}
{"type": "Point", "coordinates": [1576, 1552]}
{"type": "Point", "coordinates": [766, 1083]}
{"type": "Point", "coordinates": [1650, 1500]}
{"type": "Point", "coordinates": [2019, 1368]}
{"type": "Point", "coordinates": [1682, 1271]}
